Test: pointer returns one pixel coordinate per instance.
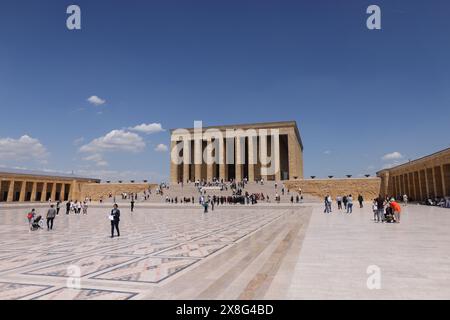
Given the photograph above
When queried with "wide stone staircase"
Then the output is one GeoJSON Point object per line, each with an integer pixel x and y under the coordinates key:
{"type": "Point", "coordinates": [190, 190]}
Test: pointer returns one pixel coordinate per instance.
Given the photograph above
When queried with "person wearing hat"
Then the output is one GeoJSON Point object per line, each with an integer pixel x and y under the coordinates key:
{"type": "Point", "coordinates": [396, 209]}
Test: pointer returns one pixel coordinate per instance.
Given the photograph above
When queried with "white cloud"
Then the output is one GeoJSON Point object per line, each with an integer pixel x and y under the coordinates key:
{"type": "Point", "coordinates": [148, 128]}
{"type": "Point", "coordinates": [327, 152]}
{"type": "Point", "coordinates": [392, 156]}
{"type": "Point", "coordinates": [116, 140]}
{"type": "Point", "coordinates": [24, 148]}
{"type": "Point", "coordinates": [161, 148]}
{"type": "Point", "coordinates": [115, 175]}
{"type": "Point", "coordinates": [97, 158]}
{"type": "Point", "coordinates": [78, 141]}
{"type": "Point", "coordinates": [391, 165]}
{"type": "Point", "coordinates": [96, 101]}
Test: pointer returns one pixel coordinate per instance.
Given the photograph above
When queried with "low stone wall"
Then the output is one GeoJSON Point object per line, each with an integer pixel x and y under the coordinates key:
{"type": "Point", "coordinates": [98, 190]}
{"type": "Point", "coordinates": [368, 187]}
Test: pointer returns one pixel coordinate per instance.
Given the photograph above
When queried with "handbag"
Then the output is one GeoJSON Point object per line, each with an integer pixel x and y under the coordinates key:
{"type": "Point", "coordinates": [111, 217]}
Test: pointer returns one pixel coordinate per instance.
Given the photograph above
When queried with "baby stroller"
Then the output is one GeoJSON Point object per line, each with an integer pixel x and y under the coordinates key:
{"type": "Point", "coordinates": [389, 216]}
{"type": "Point", "coordinates": [36, 223]}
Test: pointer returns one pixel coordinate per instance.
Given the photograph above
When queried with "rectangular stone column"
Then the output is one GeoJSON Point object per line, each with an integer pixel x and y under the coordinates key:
{"type": "Point", "coordinates": [62, 194]}
{"type": "Point", "coordinates": [222, 164]}
{"type": "Point", "coordinates": [173, 166]}
{"type": "Point", "coordinates": [252, 152]}
{"type": "Point", "coordinates": [10, 192]}
{"type": "Point", "coordinates": [419, 192]}
{"type": "Point", "coordinates": [427, 187]}
{"type": "Point", "coordinates": [70, 192]}
{"type": "Point", "coordinates": [198, 159]}
{"type": "Point", "coordinates": [33, 191]}
{"type": "Point", "coordinates": [294, 162]}
{"type": "Point", "coordinates": [263, 152]}
{"type": "Point", "coordinates": [403, 184]}
{"type": "Point", "coordinates": [434, 181]}
{"type": "Point", "coordinates": [186, 159]}
{"type": "Point", "coordinates": [53, 192]}
{"type": "Point", "coordinates": [209, 160]}
{"type": "Point", "coordinates": [276, 156]}
{"type": "Point", "coordinates": [239, 158]}
{"type": "Point", "coordinates": [23, 191]}
{"type": "Point", "coordinates": [444, 189]}
{"type": "Point", "coordinates": [44, 192]}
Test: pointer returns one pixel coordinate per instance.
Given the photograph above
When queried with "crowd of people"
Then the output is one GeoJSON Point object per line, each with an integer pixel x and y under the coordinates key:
{"type": "Point", "coordinates": [385, 209]}
{"type": "Point", "coordinates": [346, 201]}
{"type": "Point", "coordinates": [438, 202]}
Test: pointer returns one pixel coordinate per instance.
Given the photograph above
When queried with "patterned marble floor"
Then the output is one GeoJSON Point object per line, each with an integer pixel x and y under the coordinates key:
{"type": "Point", "coordinates": [162, 253]}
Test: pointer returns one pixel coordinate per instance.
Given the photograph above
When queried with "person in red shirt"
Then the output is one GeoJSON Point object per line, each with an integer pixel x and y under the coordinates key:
{"type": "Point", "coordinates": [396, 209]}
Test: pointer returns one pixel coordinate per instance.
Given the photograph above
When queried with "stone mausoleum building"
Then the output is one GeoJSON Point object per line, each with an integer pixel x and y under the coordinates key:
{"type": "Point", "coordinates": [271, 151]}
{"type": "Point", "coordinates": [16, 186]}
{"type": "Point", "coordinates": [426, 177]}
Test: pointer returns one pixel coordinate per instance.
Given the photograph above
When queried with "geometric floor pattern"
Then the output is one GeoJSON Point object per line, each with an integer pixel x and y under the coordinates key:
{"type": "Point", "coordinates": [155, 246]}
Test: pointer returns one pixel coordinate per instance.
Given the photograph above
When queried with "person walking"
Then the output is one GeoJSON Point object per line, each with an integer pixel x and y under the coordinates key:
{"type": "Point", "coordinates": [344, 201]}
{"type": "Point", "coordinates": [30, 216]}
{"type": "Point", "coordinates": [51, 214]}
{"type": "Point", "coordinates": [85, 207]}
{"type": "Point", "coordinates": [67, 207]}
{"type": "Point", "coordinates": [349, 204]}
{"type": "Point", "coordinates": [339, 202]}
{"type": "Point", "coordinates": [360, 200]}
{"type": "Point", "coordinates": [405, 200]}
{"type": "Point", "coordinates": [326, 204]}
{"type": "Point", "coordinates": [115, 219]}
{"type": "Point", "coordinates": [205, 206]}
{"type": "Point", "coordinates": [380, 208]}
{"type": "Point", "coordinates": [58, 205]}
{"type": "Point", "coordinates": [132, 204]}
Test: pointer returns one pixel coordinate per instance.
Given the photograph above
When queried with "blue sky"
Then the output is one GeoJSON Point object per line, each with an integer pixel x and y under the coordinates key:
{"type": "Point", "coordinates": [356, 94]}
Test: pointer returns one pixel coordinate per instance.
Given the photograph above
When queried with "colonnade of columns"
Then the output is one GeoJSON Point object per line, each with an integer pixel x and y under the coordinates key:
{"type": "Point", "coordinates": [421, 183]}
{"type": "Point", "coordinates": [233, 158]}
{"type": "Point", "coordinates": [23, 190]}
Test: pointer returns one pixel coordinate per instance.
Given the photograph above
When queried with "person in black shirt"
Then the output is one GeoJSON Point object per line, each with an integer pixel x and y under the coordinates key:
{"type": "Point", "coordinates": [360, 200]}
{"type": "Point", "coordinates": [115, 213]}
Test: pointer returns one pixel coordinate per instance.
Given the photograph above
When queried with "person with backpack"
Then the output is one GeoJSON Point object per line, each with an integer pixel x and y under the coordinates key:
{"type": "Point", "coordinates": [31, 215]}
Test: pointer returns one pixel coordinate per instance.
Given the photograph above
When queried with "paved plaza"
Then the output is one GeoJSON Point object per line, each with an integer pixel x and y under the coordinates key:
{"type": "Point", "coordinates": [266, 251]}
